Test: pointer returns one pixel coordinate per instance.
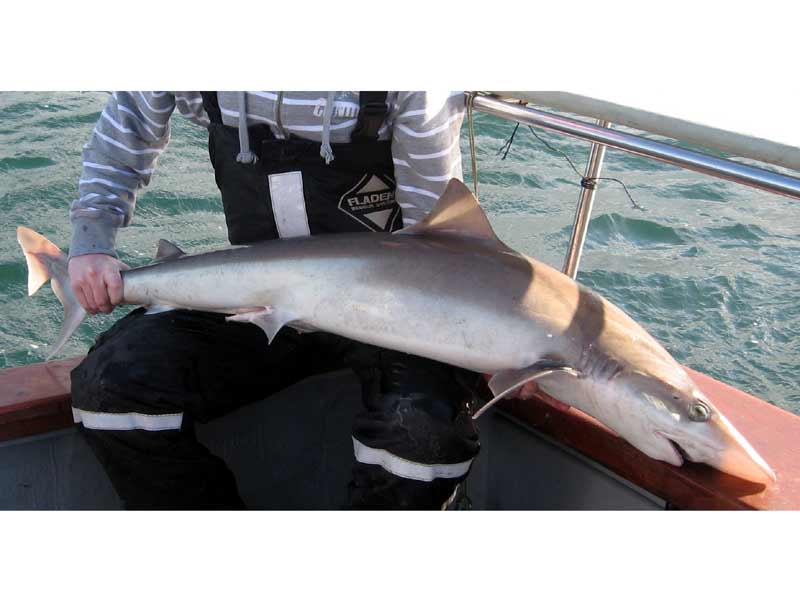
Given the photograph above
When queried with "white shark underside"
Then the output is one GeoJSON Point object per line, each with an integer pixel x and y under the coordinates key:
{"type": "Point", "coordinates": [450, 290]}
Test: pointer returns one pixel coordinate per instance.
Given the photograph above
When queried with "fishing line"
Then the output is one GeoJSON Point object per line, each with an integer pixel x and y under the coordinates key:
{"type": "Point", "coordinates": [585, 181]}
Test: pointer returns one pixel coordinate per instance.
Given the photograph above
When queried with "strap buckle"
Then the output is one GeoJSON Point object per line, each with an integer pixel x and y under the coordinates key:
{"type": "Point", "coordinates": [370, 118]}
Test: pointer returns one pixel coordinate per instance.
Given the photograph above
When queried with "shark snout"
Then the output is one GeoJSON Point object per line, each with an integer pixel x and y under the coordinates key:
{"type": "Point", "coordinates": [719, 444]}
{"type": "Point", "coordinates": [739, 458]}
{"type": "Point", "coordinates": [746, 465]}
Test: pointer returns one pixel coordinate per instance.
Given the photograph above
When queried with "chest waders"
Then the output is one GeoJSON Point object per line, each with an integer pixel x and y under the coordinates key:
{"type": "Point", "coordinates": [148, 379]}
{"type": "Point", "coordinates": [291, 191]}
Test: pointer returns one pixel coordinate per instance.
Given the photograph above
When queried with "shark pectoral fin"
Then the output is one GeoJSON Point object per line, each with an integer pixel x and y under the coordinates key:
{"type": "Point", "coordinates": [269, 319]}
{"type": "Point", "coordinates": [505, 382]}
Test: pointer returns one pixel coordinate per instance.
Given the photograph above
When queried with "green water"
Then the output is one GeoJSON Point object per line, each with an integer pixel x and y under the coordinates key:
{"type": "Point", "coordinates": [710, 268]}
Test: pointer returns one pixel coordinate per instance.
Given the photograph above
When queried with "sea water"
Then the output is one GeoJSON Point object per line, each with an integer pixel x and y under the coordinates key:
{"type": "Point", "coordinates": [710, 268]}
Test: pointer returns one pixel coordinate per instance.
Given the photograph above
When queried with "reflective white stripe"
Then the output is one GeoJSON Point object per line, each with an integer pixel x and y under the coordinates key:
{"type": "Point", "coordinates": [126, 421]}
{"type": "Point", "coordinates": [289, 204]}
{"type": "Point", "coordinates": [406, 468]}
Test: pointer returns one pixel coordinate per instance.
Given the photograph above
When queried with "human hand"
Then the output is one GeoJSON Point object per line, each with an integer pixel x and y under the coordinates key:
{"type": "Point", "coordinates": [96, 281]}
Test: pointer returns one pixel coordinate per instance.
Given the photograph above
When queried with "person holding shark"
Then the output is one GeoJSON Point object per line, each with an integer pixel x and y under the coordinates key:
{"type": "Point", "coordinates": [403, 304]}
{"type": "Point", "coordinates": [287, 164]}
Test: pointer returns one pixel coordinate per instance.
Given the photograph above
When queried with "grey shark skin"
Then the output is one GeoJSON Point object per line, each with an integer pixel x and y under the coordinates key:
{"type": "Point", "coordinates": [448, 289]}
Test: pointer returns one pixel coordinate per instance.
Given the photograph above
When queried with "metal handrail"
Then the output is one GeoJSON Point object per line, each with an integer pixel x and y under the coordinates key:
{"type": "Point", "coordinates": [689, 159]}
{"type": "Point", "coordinates": [602, 135]}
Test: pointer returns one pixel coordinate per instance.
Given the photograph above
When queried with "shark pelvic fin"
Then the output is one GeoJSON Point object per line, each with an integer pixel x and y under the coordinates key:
{"type": "Point", "coordinates": [269, 319]}
{"type": "Point", "coordinates": [457, 212]}
{"type": "Point", "coordinates": [168, 251]}
{"type": "Point", "coordinates": [505, 382]}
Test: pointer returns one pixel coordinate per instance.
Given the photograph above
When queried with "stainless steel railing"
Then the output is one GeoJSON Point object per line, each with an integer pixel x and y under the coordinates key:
{"type": "Point", "coordinates": [603, 136]}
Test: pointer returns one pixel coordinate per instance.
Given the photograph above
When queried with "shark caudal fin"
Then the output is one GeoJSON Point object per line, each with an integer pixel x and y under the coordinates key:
{"type": "Point", "coordinates": [46, 261]}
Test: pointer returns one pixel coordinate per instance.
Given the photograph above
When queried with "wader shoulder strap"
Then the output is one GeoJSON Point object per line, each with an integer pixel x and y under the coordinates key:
{"type": "Point", "coordinates": [211, 106]}
{"type": "Point", "coordinates": [371, 114]}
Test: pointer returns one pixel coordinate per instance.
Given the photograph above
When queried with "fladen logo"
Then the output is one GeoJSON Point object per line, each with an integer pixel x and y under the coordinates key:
{"type": "Point", "coordinates": [372, 202]}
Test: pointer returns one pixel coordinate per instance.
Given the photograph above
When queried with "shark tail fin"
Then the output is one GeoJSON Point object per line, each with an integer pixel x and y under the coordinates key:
{"type": "Point", "coordinates": [47, 262]}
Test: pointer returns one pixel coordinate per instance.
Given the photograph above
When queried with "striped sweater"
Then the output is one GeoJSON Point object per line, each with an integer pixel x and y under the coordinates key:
{"type": "Point", "coordinates": [134, 129]}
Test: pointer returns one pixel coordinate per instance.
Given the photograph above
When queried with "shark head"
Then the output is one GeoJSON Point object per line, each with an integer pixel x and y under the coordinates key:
{"type": "Point", "coordinates": [678, 422]}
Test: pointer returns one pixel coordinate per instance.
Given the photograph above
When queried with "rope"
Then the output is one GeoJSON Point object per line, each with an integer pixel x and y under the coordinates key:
{"type": "Point", "coordinates": [470, 122]}
{"type": "Point", "coordinates": [587, 182]}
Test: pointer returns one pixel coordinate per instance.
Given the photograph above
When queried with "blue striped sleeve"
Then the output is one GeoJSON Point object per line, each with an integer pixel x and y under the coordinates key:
{"type": "Point", "coordinates": [425, 148]}
{"type": "Point", "coordinates": [118, 161]}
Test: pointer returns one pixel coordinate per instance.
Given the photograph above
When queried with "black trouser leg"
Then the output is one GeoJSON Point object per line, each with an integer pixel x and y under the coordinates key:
{"type": "Point", "coordinates": [150, 377]}
{"type": "Point", "coordinates": [415, 441]}
{"type": "Point", "coordinates": [164, 470]}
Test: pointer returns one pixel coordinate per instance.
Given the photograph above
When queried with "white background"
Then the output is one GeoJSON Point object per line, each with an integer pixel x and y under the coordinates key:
{"type": "Point", "coordinates": [728, 62]}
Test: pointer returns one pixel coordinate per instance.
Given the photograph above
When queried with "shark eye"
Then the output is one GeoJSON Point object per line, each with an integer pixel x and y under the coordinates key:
{"type": "Point", "coordinates": [699, 412]}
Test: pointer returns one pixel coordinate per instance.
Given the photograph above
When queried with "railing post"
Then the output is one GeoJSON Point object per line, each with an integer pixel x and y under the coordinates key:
{"type": "Point", "coordinates": [585, 203]}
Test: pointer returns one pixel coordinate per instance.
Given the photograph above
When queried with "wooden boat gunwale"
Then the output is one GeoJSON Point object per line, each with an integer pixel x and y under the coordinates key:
{"type": "Point", "coordinates": [35, 399]}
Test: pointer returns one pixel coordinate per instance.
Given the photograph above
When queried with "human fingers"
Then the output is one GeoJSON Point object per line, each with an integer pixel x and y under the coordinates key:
{"type": "Point", "coordinates": [100, 293]}
{"type": "Point", "coordinates": [113, 281]}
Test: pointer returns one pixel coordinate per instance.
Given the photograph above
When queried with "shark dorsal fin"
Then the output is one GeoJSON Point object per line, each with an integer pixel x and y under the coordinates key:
{"type": "Point", "coordinates": [168, 251]}
{"type": "Point", "coordinates": [457, 212]}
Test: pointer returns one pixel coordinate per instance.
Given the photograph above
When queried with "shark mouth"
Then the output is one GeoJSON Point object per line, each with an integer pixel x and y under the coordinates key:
{"type": "Point", "coordinates": [679, 455]}
{"type": "Point", "coordinates": [680, 451]}
{"type": "Point", "coordinates": [682, 455]}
